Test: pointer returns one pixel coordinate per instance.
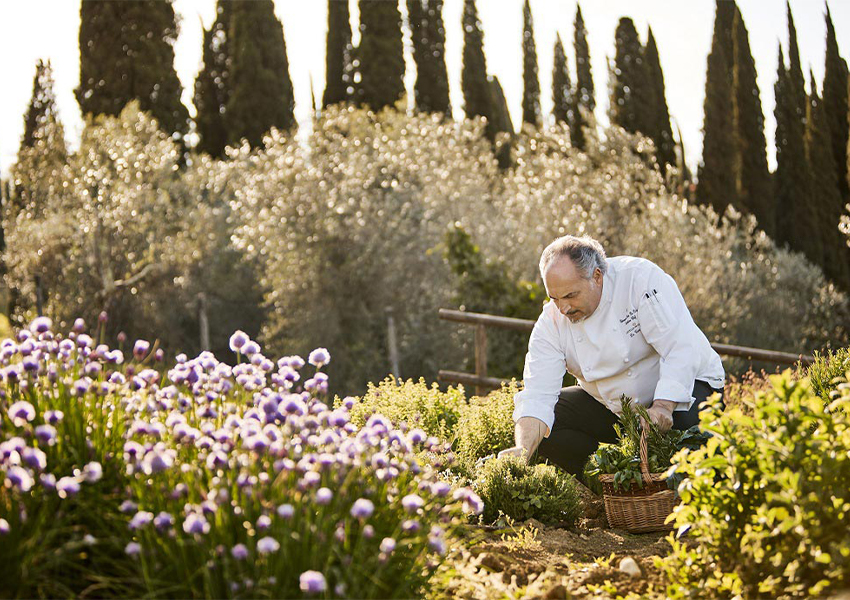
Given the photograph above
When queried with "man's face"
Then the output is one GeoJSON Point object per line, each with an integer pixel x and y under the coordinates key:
{"type": "Point", "coordinates": [575, 296]}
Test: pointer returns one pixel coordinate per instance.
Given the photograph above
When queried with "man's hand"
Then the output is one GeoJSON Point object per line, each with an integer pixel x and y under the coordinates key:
{"type": "Point", "coordinates": [661, 413]}
{"type": "Point", "coordinates": [514, 451]}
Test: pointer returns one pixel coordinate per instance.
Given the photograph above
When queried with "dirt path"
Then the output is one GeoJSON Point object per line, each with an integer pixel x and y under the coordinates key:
{"type": "Point", "coordinates": [530, 560]}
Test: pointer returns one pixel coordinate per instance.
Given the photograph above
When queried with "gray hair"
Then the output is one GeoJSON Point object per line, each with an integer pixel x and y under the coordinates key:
{"type": "Point", "coordinates": [585, 252]}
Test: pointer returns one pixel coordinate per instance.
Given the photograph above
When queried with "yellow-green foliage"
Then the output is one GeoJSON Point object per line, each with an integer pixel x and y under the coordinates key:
{"type": "Point", "coordinates": [827, 370]}
{"type": "Point", "coordinates": [486, 425]}
{"type": "Point", "coordinates": [766, 502]}
{"type": "Point", "coordinates": [412, 402]}
{"type": "Point", "coordinates": [523, 491]}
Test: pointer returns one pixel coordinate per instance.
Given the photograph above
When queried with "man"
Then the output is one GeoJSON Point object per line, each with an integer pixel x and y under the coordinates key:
{"type": "Point", "coordinates": [621, 327]}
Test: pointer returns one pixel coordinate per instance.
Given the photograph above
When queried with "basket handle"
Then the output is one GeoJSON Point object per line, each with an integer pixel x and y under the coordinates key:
{"type": "Point", "coordinates": [644, 457]}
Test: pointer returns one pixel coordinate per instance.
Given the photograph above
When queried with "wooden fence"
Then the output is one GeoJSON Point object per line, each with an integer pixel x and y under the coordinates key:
{"type": "Point", "coordinates": [481, 321]}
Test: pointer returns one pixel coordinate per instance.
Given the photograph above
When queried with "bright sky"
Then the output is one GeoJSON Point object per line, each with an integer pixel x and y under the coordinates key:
{"type": "Point", "coordinates": [32, 29]}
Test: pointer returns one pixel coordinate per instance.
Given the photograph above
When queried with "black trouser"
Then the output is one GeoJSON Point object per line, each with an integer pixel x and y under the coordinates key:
{"type": "Point", "coordinates": [582, 422]}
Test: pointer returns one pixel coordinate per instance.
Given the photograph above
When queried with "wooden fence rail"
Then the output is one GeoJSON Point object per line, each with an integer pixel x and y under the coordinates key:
{"type": "Point", "coordinates": [481, 321]}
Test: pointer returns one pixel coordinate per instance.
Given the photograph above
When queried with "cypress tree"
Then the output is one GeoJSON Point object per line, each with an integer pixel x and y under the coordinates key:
{"type": "Point", "coordinates": [562, 93]}
{"type": "Point", "coordinates": [43, 152]}
{"type": "Point", "coordinates": [380, 54]}
{"type": "Point", "coordinates": [753, 187]}
{"type": "Point", "coordinates": [630, 98]}
{"type": "Point", "coordinates": [476, 89]}
{"type": "Point", "coordinates": [824, 188]}
{"type": "Point", "coordinates": [659, 123]}
{"type": "Point", "coordinates": [338, 54]}
{"type": "Point", "coordinates": [431, 90]}
{"type": "Point", "coordinates": [797, 222]}
{"type": "Point", "coordinates": [501, 123]}
{"type": "Point", "coordinates": [126, 53]}
{"type": "Point", "coordinates": [42, 107]}
{"type": "Point", "coordinates": [212, 86]}
{"type": "Point", "coordinates": [716, 173]}
{"type": "Point", "coordinates": [260, 95]}
{"type": "Point", "coordinates": [530, 81]}
{"type": "Point", "coordinates": [584, 95]}
{"type": "Point", "coordinates": [836, 106]}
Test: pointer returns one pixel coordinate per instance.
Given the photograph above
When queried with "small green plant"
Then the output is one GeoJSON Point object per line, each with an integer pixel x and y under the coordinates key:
{"type": "Point", "coordinates": [828, 371]}
{"type": "Point", "coordinates": [523, 491]}
{"type": "Point", "coordinates": [412, 402]}
{"type": "Point", "coordinates": [766, 502]}
{"type": "Point", "coordinates": [522, 538]}
{"type": "Point", "coordinates": [622, 460]}
{"type": "Point", "coordinates": [486, 425]}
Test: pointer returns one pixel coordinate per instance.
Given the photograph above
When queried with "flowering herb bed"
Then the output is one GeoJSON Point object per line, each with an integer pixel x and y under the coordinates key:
{"type": "Point", "coordinates": [122, 477]}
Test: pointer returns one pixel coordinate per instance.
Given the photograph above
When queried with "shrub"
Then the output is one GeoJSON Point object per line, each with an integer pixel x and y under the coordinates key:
{"type": "Point", "coordinates": [521, 491]}
{"type": "Point", "coordinates": [412, 402]}
{"type": "Point", "coordinates": [765, 503]}
{"type": "Point", "coordinates": [486, 425]}
{"type": "Point", "coordinates": [828, 371]}
{"type": "Point", "coordinates": [233, 480]}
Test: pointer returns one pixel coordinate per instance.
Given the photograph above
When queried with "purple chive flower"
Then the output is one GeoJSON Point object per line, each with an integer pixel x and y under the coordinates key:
{"type": "Point", "coordinates": [20, 478]}
{"type": "Point", "coordinates": [416, 436]}
{"type": "Point", "coordinates": [103, 317]}
{"type": "Point", "coordinates": [81, 386]}
{"type": "Point", "coordinates": [250, 348]}
{"type": "Point", "coordinates": [196, 524]}
{"type": "Point", "coordinates": [35, 458]}
{"type": "Point", "coordinates": [46, 434]}
{"type": "Point", "coordinates": [324, 496]}
{"type": "Point", "coordinates": [53, 416]}
{"type": "Point", "coordinates": [140, 519]}
{"type": "Point", "coordinates": [159, 355]}
{"type": "Point", "coordinates": [319, 357]}
{"type": "Point", "coordinates": [437, 544]}
{"type": "Point", "coordinates": [267, 545]}
{"type": "Point", "coordinates": [67, 486]}
{"type": "Point", "coordinates": [163, 521]}
{"type": "Point", "coordinates": [362, 508]}
{"type": "Point", "coordinates": [47, 481]}
{"type": "Point", "coordinates": [41, 325]}
{"type": "Point", "coordinates": [21, 412]}
{"type": "Point", "coordinates": [141, 348]}
{"type": "Point", "coordinates": [122, 337]}
{"type": "Point", "coordinates": [30, 364]}
{"type": "Point", "coordinates": [312, 582]}
{"type": "Point", "coordinates": [92, 472]}
{"type": "Point", "coordinates": [285, 511]}
{"type": "Point", "coordinates": [4, 527]}
{"type": "Point", "coordinates": [127, 506]}
{"type": "Point", "coordinates": [238, 340]}
{"type": "Point", "coordinates": [132, 549]}
{"type": "Point", "coordinates": [411, 526]}
{"type": "Point", "coordinates": [440, 489]}
{"type": "Point", "coordinates": [239, 552]}
{"type": "Point", "coordinates": [264, 522]}
{"type": "Point", "coordinates": [471, 502]}
{"type": "Point", "coordinates": [387, 545]}
{"type": "Point", "coordinates": [412, 503]}
{"type": "Point", "coordinates": [79, 325]}
{"type": "Point", "coordinates": [368, 532]}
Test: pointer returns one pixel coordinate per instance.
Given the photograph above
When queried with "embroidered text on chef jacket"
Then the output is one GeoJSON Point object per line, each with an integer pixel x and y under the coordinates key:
{"type": "Point", "coordinates": [640, 341]}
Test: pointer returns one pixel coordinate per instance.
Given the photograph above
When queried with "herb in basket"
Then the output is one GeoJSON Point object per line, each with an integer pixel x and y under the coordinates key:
{"type": "Point", "coordinates": [622, 459]}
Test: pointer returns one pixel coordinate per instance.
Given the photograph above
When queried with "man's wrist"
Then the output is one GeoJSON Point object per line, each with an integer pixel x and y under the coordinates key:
{"type": "Point", "coordinates": [668, 405]}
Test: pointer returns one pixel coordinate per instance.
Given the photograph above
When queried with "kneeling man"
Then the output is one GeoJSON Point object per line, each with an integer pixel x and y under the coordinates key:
{"type": "Point", "coordinates": [621, 327]}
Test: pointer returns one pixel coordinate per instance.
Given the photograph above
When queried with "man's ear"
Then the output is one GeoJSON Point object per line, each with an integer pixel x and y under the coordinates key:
{"type": "Point", "coordinates": [597, 276]}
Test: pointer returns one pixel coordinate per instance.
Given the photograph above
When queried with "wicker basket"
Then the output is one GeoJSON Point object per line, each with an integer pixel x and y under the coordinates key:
{"type": "Point", "coordinates": [639, 510]}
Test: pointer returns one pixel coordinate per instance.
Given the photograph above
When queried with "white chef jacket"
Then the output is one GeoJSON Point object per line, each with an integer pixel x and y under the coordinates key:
{"type": "Point", "coordinates": [640, 341]}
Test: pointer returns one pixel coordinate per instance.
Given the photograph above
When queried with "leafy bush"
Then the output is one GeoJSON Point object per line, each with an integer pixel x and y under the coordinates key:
{"type": "Point", "coordinates": [205, 479]}
{"type": "Point", "coordinates": [486, 425]}
{"type": "Point", "coordinates": [765, 503]}
{"type": "Point", "coordinates": [828, 371]}
{"type": "Point", "coordinates": [623, 458]}
{"type": "Point", "coordinates": [521, 491]}
{"type": "Point", "coordinates": [412, 402]}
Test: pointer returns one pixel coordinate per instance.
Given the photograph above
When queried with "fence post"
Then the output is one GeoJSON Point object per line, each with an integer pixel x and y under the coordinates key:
{"type": "Point", "coordinates": [39, 296]}
{"type": "Point", "coordinates": [480, 356]}
{"type": "Point", "coordinates": [392, 344]}
{"type": "Point", "coordinates": [203, 321]}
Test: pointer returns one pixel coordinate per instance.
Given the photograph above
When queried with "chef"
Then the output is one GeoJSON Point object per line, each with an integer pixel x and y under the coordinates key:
{"type": "Point", "coordinates": [621, 327]}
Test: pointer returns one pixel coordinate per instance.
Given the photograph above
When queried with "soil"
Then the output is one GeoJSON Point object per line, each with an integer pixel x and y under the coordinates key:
{"type": "Point", "coordinates": [530, 560]}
